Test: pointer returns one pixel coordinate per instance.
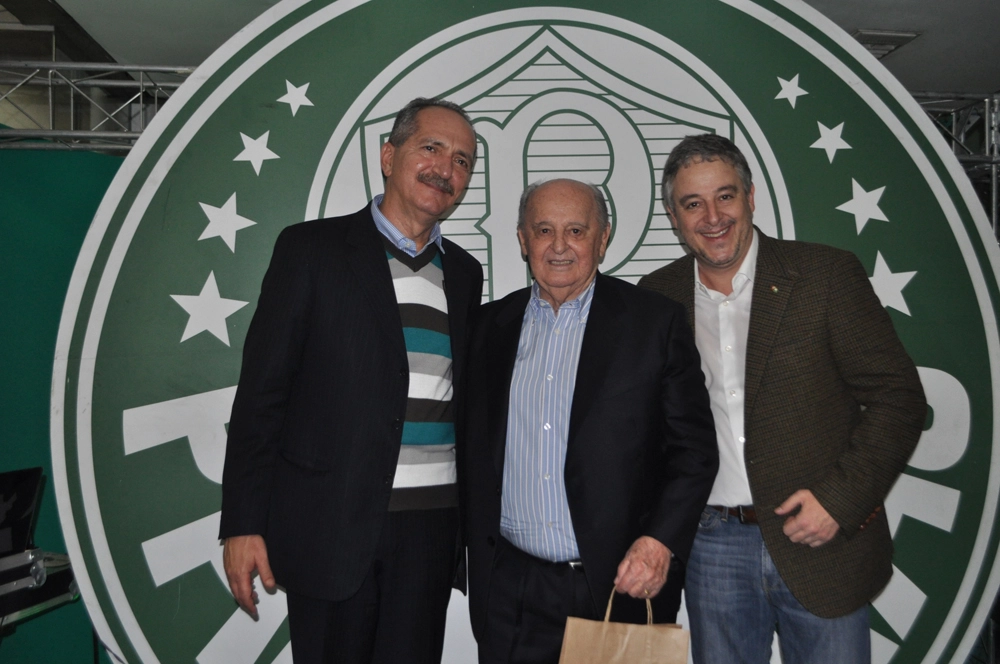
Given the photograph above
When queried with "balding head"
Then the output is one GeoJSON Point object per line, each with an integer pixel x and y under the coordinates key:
{"type": "Point", "coordinates": [563, 229]}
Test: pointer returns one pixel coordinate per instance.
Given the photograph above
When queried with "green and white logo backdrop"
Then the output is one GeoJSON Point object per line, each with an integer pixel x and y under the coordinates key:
{"type": "Point", "coordinates": [284, 124]}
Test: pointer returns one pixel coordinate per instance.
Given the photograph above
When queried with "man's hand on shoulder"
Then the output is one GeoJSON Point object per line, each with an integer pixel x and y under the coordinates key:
{"type": "Point", "coordinates": [644, 570]}
{"type": "Point", "coordinates": [812, 525]}
{"type": "Point", "coordinates": [242, 555]}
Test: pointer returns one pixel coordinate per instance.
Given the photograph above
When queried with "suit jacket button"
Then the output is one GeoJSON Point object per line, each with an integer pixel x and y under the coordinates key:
{"type": "Point", "coordinates": [491, 541]}
{"type": "Point", "coordinates": [397, 424]}
{"type": "Point", "coordinates": [387, 479]}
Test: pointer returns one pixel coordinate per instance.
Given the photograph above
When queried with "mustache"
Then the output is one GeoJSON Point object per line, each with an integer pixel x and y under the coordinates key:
{"type": "Point", "coordinates": [437, 182]}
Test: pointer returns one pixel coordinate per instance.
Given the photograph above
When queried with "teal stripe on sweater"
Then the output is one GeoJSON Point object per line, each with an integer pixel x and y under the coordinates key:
{"type": "Point", "coordinates": [428, 433]}
{"type": "Point", "coordinates": [426, 341]}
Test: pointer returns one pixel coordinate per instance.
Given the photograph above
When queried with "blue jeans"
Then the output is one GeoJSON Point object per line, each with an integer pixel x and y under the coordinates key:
{"type": "Point", "coordinates": [736, 600]}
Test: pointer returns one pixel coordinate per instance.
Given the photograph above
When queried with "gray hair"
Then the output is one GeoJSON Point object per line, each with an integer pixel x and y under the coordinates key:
{"type": "Point", "coordinates": [600, 203]}
{"type": "Point", "coordinates": [703, 147]}
{"type": "Point", "coordinates": [405, 123]}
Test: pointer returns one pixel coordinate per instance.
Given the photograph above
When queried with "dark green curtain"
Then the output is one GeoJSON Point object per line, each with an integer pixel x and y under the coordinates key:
{"type": "Point", "coordinates": [47, 201]}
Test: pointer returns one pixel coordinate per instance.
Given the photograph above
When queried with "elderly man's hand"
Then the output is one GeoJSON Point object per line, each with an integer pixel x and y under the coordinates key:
{"type": "Point", "coordinates": [644, 570]}
{"type": "Point", "coordinates": [812, 525]}
{"type": "Point", "coordinates": [241, 556]}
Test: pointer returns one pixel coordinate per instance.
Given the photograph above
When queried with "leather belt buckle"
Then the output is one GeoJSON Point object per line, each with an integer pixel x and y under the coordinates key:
{"type": "Point", "coordinates": [746, 514]}
{"type": "Point", "coordinates": [575, 564]}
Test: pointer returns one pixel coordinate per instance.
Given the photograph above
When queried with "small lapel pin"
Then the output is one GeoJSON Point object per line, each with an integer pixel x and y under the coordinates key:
{"type": "Point", "coordinates": [774, 289]}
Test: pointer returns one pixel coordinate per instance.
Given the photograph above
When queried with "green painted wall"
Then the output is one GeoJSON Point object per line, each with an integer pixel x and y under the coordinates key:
{"type": "Point", "coordinates": [47, 200]}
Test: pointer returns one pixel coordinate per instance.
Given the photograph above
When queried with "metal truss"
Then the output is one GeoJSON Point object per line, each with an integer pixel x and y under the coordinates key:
{"type": "Point", "coordinates": [89, 105]}
{"type": "Point", "coordinates": [970, 123]}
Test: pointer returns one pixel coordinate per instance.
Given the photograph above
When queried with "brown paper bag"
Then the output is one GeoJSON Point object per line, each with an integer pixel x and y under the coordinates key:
{"type": "Point", "coordinates": [606, 642]}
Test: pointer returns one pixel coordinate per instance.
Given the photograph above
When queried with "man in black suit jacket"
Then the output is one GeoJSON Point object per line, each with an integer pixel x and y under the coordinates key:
{"type": "Point", "coordinates": [327, 393]}
{"type": "Point", "coordinates": [591, 447]}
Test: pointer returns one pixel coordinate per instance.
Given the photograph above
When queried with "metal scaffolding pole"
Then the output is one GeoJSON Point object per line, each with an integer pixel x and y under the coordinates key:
{"type": "Point", "coordinates": [970, 123]}
{"type": "Point", "coordinates": [90, 105]}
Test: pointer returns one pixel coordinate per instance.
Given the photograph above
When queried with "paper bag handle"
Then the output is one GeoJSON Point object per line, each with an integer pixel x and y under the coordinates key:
{"type": "Point", "coordinates": [649, 609]}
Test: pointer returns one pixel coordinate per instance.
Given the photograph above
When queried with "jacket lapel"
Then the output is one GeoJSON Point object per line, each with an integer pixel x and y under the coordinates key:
{"type": "Point", "coordinates": [597, 351]}
{"type": "Point", "coordinates": [368, 261]}
{"type": "Point", "coordinates": [682, 290]}
{"type": "Point", "coordinates": [772, 286]}
{"type": "Point", "coordinates": [501, 354]}
{"type": "Point", "coordinates": [456, 293]}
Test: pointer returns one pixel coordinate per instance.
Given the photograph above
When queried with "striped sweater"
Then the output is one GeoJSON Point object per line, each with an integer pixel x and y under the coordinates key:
{"type": "Point", "coordinates": [426, 472]}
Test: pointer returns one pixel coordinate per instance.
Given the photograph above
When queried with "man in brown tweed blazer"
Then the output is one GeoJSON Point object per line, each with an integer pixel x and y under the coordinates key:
{"type": "Point", "coordinates": [817, 408]}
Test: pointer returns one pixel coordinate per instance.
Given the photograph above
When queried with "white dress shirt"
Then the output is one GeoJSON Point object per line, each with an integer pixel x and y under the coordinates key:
{"type": "Point", "coordinates": [721, 323]}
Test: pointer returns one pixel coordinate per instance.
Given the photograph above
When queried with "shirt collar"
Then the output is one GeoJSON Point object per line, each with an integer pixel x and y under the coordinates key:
{"type": "Point", "coordinates": [400, 241]}
{"type": "Point", "coordinates": [743, 276]}
{"type": "Point", "coordinates": [579, 306]}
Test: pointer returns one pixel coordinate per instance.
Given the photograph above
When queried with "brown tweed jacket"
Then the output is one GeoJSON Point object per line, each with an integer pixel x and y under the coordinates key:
{"type": "Point", "coordinates": [833, 404]}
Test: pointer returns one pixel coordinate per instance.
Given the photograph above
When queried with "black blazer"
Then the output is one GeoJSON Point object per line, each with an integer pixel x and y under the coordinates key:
{"type": "Point", "coordinates": [641, 455]}
{"type": "Point", "coordinates": [317, 420]}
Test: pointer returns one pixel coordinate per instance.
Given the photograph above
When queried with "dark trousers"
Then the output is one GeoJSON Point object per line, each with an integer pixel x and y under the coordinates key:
{"type": "Point", "coordinates": [399, 612]}
{"type": "Point", "coordinates": [527, 608]}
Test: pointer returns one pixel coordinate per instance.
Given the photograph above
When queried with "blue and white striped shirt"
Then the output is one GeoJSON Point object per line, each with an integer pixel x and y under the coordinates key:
{"type": "Point", "coordinates": [534, 510]}
{"type": "Point", "coordinates": [403, 243]}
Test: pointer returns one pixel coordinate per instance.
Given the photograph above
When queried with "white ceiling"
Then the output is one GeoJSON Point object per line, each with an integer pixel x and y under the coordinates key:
{"type": "Point", "coordinates": [158, 32]}
{"type": "Point", "coordinates": [958, 49]}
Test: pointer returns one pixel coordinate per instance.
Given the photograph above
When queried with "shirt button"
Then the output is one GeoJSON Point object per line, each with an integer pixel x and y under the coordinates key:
{"type": "Point", "coordinates": [549, 524]}
{"type": "Point", "coordinates": [742, 439]}
{"type": "Point", "coordinates": [729, 349]}
{"type": "Point", "coordinates": [557, 331]}
{"type": "Point", "coordinates": [547, 476]}
{"type": "Point", "coordinates": [549, 377]}
{"type": "Point", "coordinates": [546, 426]}
{"type": "Point", "coordinates": [725, 303]}
{"type": "Point", "coordinates": [732, 393]}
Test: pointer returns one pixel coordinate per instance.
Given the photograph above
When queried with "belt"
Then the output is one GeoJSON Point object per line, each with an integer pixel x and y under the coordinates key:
{"type": "Point", "coordinates": [745, 513]}
{"type": "Point", "coordinates": [572, 564]}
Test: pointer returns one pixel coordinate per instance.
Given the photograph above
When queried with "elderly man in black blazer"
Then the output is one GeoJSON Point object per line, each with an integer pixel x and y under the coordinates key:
{"type": "Point", "coordinates": [340, 467]}
{"type": "Point", "coordinates": [591, 447]}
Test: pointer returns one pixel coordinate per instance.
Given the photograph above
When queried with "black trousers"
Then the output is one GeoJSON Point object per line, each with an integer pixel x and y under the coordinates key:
{"type": "Point", "coordinates": [527, 608]}
{"type": "Point", "coordinates": [398, 614]}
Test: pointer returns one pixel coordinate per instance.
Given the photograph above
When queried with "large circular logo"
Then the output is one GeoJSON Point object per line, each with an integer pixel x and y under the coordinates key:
{"type": "Point", "coordinates": [284, 123]}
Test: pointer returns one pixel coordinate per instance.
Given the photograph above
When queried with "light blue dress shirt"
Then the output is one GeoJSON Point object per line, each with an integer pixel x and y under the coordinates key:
{"type": "Point", "coordinates": [534, 510]}
{"type": "Point", "coordinates": [403, 243]}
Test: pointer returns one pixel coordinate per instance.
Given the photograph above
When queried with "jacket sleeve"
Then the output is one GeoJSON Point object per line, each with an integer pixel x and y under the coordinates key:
{"type": "Point", "coordinates": [691, 452]}
{"type": "Point", "coordinates": [271, 356]}
{"type": "Point", "coordinates": [882, 378]}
